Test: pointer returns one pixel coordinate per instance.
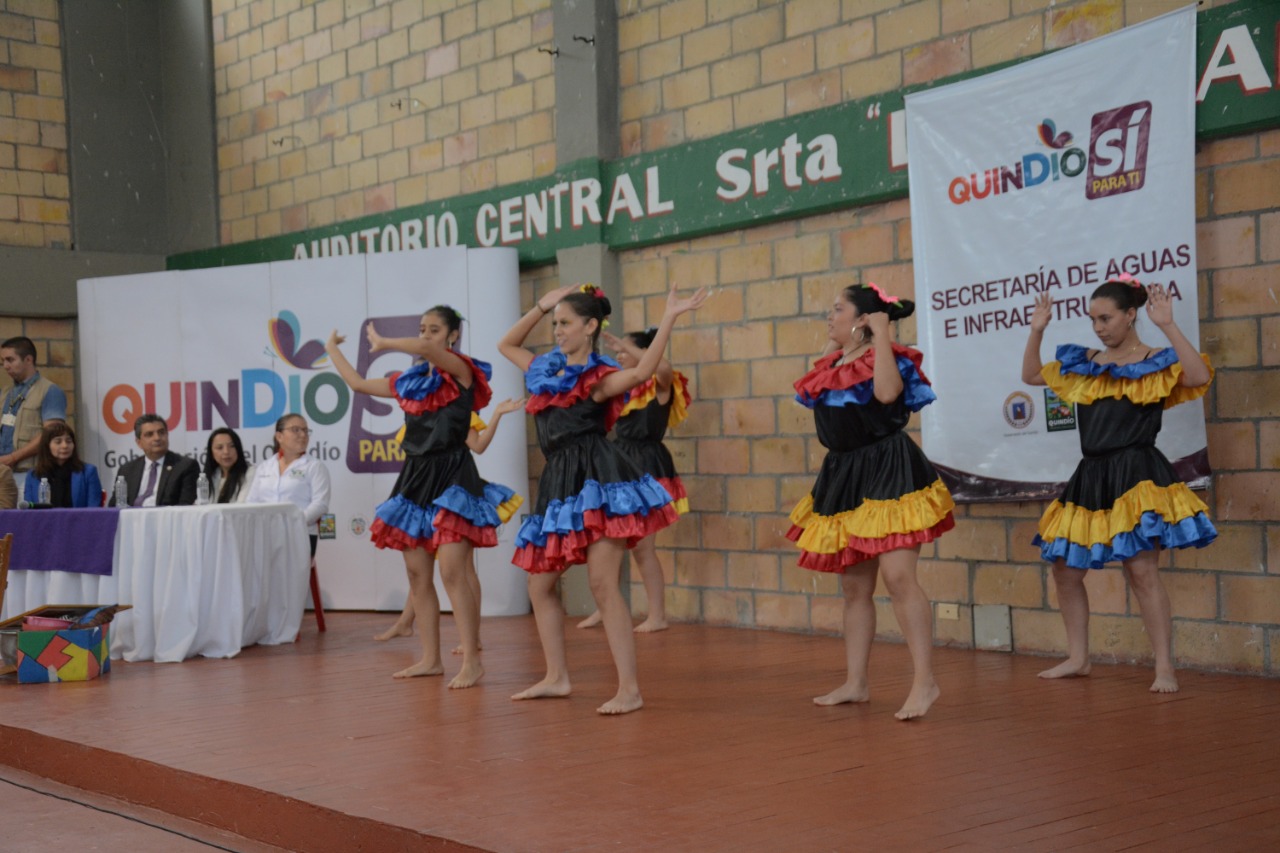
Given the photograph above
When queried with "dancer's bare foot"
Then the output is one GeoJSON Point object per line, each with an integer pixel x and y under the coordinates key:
{"type": "Point", "coordinates": [623, 703]}
{"type": "Point", "coordinates": [396, 630]}
{"type": "Point", "coordinates": [1166, 682]}
{"type": "Point", "coordinates": [591, 621]}
{"type": "Point", "coordinates": [421, 668]}
{"type": "Point", "coordinates": [850, 691]}
{"type": "Point", "coordinates": [1068, 669]}
{"type": "Point", "coordinates": [545, 689]}
{"type": "Point", "coordinates": [919, 701]}
{"type": "Point", "coordinates": [651, 625]}
{"type": "Point", "coordinates": [457, 650]}
{"type": "Point", "coordinates": [468, 676]}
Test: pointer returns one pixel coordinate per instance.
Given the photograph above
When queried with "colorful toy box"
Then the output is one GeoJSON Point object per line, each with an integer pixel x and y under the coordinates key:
{"type": "Point", "coordinates": [66, 654]}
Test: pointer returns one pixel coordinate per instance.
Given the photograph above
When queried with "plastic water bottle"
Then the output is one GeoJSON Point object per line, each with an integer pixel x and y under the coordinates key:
{"type": "Point", "coordinates": [122, 493]}
{"type": "Point", "coordinates": [202, 489]}
{"type": "Point", "coordinates": [44, 495]}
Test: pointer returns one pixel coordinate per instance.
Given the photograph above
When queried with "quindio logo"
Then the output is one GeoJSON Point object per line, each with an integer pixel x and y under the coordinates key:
{"type": "Point", "coordinates": [1116, 160]}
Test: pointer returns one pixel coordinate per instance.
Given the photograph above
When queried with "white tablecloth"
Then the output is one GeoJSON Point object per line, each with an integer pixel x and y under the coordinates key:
{"type": "Point", "coordinates": [205, 580]}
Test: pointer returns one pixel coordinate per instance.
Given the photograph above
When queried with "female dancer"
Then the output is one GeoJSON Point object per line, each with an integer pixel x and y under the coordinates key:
{"type": "Point", "coordinates": [1124, 502]}
{"type": "Point", "coordinates": [657, 403]}
{"type": "Point", "coordinates": [877, 497]}
{"type": "Point", "coordinates": [479, 437]}
{"type": "Point", "coordinates": [439, 506]}
{"type": "Point", "coordinates": [592, 503]}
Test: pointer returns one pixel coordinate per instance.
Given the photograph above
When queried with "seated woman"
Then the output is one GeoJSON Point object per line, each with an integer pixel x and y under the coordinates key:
{"type": "Point", "coordinates": [228, 472]}
{"type": "Point", "coordinates": [293, 477]}
{"type": "Point", "coordinates": [72, 482]}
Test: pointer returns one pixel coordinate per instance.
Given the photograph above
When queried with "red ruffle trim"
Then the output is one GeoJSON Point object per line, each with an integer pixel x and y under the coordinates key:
{"type": "Point", "coordinates": [859, 550]}
{"type": "Point", "coordinates": [679, 495]}
{"type": "Point", "coordinates": [447, 392]}
{"type": "Point", "coordinates": [581, 390]}
{"type": "Point", "coordinates": [448, 527]}
{"type": "Point", "coordinates": [824, 377]}
{"type": "Point", "coordinates": [570, 549]}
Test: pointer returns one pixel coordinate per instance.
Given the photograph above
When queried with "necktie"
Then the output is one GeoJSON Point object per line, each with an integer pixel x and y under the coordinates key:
{"type": "Point", "coordinates": [151, 484]}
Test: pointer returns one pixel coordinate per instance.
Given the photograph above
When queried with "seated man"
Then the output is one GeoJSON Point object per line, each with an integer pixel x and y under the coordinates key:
{"type": "Point", "coordinates": [158, 477]}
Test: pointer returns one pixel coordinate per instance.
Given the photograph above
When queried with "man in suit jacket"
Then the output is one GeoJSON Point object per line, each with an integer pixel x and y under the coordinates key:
{"type": "Point", "coordinates": [158, 478]}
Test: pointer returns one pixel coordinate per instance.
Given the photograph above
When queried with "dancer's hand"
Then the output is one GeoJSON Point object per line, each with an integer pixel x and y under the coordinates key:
{"type": "Point", "coordinates": [878, 323]}
{"type": "Point", "coordinates": [1159, 305]}
{"type": "Point", "coordinates": [677, 305]}
{"type": "Point", "coordinates": [548, 302]}
{"type": "Point", "coordinates": [1043, 314]}
{"type": "Point", "coordinates": [508, 406]}
{"type": "Point", "coordinates": [375, 340]}
{"type": "Point", "coordinates": [335, 340]}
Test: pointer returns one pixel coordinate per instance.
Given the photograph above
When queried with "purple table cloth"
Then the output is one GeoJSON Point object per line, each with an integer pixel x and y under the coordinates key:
{"type": "Point", "coordinates": [62, 540]}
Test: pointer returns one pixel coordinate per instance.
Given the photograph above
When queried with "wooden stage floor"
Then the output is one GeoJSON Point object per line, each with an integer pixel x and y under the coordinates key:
{"type": "Point", "coordinates": [314, 747]}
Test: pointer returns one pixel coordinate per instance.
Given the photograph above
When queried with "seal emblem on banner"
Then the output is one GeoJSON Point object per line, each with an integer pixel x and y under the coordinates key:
{"type": "Point", "coordinates": [1019, 410]}
{"type": "Point", "coordinates": [359, 525]}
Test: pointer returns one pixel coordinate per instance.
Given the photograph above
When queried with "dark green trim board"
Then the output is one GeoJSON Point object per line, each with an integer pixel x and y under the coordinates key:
{"type": "Point", "coordinates": [838, 157]}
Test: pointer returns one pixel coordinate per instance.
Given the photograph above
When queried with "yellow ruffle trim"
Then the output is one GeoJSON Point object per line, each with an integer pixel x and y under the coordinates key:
{"type": "Point", "coordinates": [508, 508]}
{"type": "Point", "coordinates": [911, 513]}
{"type": "Point", "coordinates": [1087, 527]}
{"type": "Point", "coordinates": [646, 392]}
{"type": "Point", "coordinates": [1159, 387]}
{"type": "Point", "coordinates": [680, 505]}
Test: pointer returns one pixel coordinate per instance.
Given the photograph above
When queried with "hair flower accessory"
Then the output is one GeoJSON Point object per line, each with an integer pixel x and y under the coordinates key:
{"type": "Point", "coordinates": [1125, 278]}
{"type": "Point", "coordinates": [592, 290]}
{"type": "Point", "coordinates": [884, 297]}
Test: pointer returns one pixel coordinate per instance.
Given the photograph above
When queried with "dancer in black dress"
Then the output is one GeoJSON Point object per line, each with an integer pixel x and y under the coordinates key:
{"type": "Point", "coordinates": [659, 402]}
{"type": "Point", "coordinates": [1124, 502]}
{"type": "Point", "coordinates": [439, 506]}
{"type": "Point", "coordinates": [592, 503]}
{"type": "Point", "coordinates": [877, 497]}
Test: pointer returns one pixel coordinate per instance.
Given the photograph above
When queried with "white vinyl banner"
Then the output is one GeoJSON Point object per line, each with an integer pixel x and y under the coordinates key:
{"type": "Point", "coordinates": [241, 346]}
{"type": "Point", "coordinates": [1051, 175]}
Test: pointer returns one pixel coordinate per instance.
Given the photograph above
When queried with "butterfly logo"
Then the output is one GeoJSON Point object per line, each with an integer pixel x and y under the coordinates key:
{"type": "Point", "coordinates": [1049, 135]}
{"type": "Point", "coordinates": [285, 332]}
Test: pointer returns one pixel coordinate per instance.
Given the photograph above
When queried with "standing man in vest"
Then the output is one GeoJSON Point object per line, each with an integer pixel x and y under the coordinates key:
{"type": "Point", "coordinates": [32, 402]}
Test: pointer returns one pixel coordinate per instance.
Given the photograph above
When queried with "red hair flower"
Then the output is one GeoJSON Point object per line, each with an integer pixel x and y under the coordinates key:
{"type": "Point", "coordinates": [1125, 278]}
{"type": "Point", "coordinates": [884, 297]}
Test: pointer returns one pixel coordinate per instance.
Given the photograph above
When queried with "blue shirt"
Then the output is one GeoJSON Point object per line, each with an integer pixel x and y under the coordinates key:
{"type": "Point", "coordinates": [54, 408]}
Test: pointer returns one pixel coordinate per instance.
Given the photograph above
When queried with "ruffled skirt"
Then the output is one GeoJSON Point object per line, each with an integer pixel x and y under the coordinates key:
{"type": "Point", "coordinates": [1117, 506]}
{"type": "Point", "coordinates": [589, 491]}
{"type": "Point", "coordinates": [653, 458]}
{"type": "Point", "coordinates": [440, 498]}
{"type": "Point", "coordinates": [870, 501]}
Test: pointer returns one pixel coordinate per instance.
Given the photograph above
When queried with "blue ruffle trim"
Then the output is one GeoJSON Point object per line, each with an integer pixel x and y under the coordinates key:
{"type": "Point", "coordinates": [916, 392]}
{"type": "Point", "coordinates": [405, 515]}
{"type": "Point", "coordinates": [1152, 532]}
{"type": "Point", "coordinates": [635, 497]}
{"type": "Point", "coordinates": [1073, 358]}
{"type": "Point", "coordinates": [544, 374]}
{"type": "Point", "coordinates": [424, 379]}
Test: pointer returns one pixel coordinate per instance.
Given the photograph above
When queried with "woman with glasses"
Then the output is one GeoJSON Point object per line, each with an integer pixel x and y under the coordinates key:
{"type": "Point", "coordinates": [291, 476]}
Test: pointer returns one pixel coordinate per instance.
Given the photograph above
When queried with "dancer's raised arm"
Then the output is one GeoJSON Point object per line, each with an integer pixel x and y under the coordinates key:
{"type": "Point", "coordinates": [665, 372]}
{"type": "Point", "coordinates": [432, 344]}
{"type": "Point", "coordinates": [621, 381]}
{"type": "Point", "coordinates": [478, 442]}
{"type": "Point", "coordinates": [512, 344]}
{"type": "Point", "coordinates": [356, 382]}
{"type": "Point", "coordinates": [1031, 363]}
{"type": "Point", "coordinates": [1160, 309]}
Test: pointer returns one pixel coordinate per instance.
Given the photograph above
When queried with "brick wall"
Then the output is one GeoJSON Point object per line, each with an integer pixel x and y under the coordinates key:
{"type": "Point", "coordinates": [330, 110]}
{"type": "Point", "coordinates": [691, 69]}
{"type": "Point", "coordinates": [35, 207]}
